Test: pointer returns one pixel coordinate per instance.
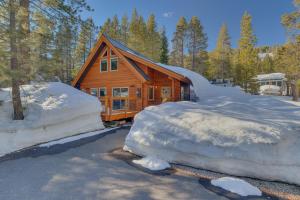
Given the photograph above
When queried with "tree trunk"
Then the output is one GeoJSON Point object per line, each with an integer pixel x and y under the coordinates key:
{"type": "Point", "coordinates": [295, 90]}
{"type": "Point", "coordinates": [16, 99]}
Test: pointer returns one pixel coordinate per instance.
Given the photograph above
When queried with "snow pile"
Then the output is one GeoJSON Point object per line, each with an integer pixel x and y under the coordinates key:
{"type": "Point", "coordinates": [152, 163]}
{"type": "Point", "coordinates": [52, 111]}
{"type": "Point", "coordinates": [272, 76]}
{"type": "Point", "coordinates": [202, 87]}
{"type": "Point", "coordinates": [269, 89]}
{"type": "Point", "coordinates": [229, 132]}
{"type": "Point", "coordinates": [237, 186]}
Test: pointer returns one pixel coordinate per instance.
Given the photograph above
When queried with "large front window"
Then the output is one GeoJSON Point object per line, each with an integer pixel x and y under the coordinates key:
{"type": "Point", "coordinates": [120, 104]}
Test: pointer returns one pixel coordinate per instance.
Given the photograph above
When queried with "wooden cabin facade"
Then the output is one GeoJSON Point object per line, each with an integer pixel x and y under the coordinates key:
{"type": "Point", "coordinates": [126, 82]}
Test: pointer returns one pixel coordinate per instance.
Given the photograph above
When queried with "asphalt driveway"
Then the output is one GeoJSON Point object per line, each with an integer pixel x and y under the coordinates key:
{"type": "Point", "coordinates": [87, 170]}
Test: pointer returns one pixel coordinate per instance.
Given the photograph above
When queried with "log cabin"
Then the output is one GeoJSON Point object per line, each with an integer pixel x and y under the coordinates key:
{"type": "Point", "coordinates": [126, 82]}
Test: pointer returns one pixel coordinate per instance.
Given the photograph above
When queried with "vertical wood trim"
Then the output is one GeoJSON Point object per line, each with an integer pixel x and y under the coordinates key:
{"type": "Point", "coordinates": [173, 89]}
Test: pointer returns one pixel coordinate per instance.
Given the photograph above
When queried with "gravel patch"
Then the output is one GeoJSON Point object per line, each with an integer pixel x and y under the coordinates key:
{"type": "Point", "coordinates": [275, 189]}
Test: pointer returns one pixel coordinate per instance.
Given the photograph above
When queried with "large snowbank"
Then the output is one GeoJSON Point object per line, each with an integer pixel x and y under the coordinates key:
{"type": "Point", "coordinates": [237, 186]}
{"type": "Point", "coordinates": [52, 111]}
{"type": "Point", "coordinates": [226, 131]}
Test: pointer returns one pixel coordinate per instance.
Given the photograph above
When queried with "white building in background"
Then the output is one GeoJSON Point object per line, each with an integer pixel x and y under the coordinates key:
{"type": "Point", "coordinates": [272, 84]}
{"type": "Point", "coordinates": [222, 82]}
{"type": "Point", "coordinates": [262, 56]}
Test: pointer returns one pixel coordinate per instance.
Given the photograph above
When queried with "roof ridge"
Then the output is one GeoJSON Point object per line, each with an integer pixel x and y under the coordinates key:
{"type": "Point", "coordinates": [128, 48]}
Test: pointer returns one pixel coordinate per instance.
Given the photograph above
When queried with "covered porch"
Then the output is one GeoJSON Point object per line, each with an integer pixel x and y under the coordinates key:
{"type": "Point", "coordinates": [116, 108]}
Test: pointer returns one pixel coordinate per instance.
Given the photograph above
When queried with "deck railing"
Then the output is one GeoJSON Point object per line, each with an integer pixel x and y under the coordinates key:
{"type": "Point", "coordinates": [111, 105]}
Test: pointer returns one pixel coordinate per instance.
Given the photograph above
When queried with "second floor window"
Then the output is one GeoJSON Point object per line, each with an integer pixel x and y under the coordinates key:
{"type": "Point", "coordinates": [103, 65]}
{"type": "Point", "coordinates": [114, 64]}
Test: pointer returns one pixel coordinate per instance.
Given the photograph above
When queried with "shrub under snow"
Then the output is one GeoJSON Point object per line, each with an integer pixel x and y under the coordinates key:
{"type": "Point", "coordinates": [52, 110]}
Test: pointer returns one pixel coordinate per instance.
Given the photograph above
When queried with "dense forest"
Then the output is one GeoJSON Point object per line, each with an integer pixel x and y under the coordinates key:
{"type": "Point", "coordinates": [48, 40]}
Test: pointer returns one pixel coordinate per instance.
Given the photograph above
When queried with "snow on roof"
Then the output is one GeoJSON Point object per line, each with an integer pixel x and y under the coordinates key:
{"type": "Point", "coordinates": [201, 86]}
{"type": "Point", "coordinates": [272, 76]}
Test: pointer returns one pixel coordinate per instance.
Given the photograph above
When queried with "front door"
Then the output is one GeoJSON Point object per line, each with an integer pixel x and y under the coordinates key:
{"type": "Point", "coordinates": [165, 94]}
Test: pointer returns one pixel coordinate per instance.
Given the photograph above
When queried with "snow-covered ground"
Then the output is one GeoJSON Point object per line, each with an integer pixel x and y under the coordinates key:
{"type": "Point", "coordinates": [152, 163]}
{"type": "Point", "coordinates": [237, 186]}
{"type": "Point", "coordinates": [52, 111]}
{"type": "Point", "coordinates": [225, 131]}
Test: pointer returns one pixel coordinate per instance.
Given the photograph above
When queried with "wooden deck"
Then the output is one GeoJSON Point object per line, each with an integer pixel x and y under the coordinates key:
{"type": "Point", "coordinates": [129, 109]}
{"type": "Point", "coordinates": [118, 115]}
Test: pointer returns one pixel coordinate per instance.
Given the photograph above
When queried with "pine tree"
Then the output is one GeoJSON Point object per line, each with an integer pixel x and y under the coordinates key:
{"type": "Point", "coordinates": [124, 30]}
{"type": "Point", "coordinates": [178, 43]}
{"type": "Point", "coordinates": [133, 40]}
{"type": "Point", "coordinates": [142, 36]}
{"type": "Point", "coordinates": [164, 49]}
{"type": "Point", "coordinates": [106, 28]}
{"type": "Point", "coordinates": [115, 32]}
{"type": "Point", "coordinates": [220, 58]}
{"type": "Point", "coordinates": [291, 53]}
{"type": "Point", "coordinates": [197, 44]}
{"type": "Point", "coordinates": [153, 41]}
{"type": "Point", "coordinates": [23, 21]}
{"type": "Point", "coordinates": [82, 50]}
{"type": "Point", "coordinates": [246, 55]}
{"type": "Point", "coordinates": [15, 83]}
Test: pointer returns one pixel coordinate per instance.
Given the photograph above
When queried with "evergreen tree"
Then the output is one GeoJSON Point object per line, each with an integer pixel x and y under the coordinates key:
{"type": "Point", "coordinates": [124, 30]}
{"type": "Point", "coordinates": [153, 41]}
{"type": "Point", "coordinates": [106, 28]}
{"type": "Point", "coordinates": [178, 43]}
{"type": "Point", "coordinates": [290, 55]}
{"type": "Point", "coordinates": [82, 50]}
{"type": "Point", "coordinates": [164, 49]}
{"type": "Point", "coordinates": [246, 55]}
{"type": "Point", "coordinates": [15, 83]}
{"type": "Point", "coordinates": [197, 44]}
{"type": "Point", "coordinates": [133, 40]}
{"type": "Point", "coordinates": [115, 32]}
{"type": "Point", "coordinates": [220, 58]}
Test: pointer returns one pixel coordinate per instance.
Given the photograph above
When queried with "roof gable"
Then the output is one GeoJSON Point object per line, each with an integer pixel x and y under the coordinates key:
{"type": "Point", "coordinates": [130, 57]}
{"type": "Point", "coordinates": [102, 40]}
{"type": "Point", "coordinates": [134, 55]}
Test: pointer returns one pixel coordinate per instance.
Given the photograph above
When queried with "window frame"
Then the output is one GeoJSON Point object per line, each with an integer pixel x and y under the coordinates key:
{"type": "Point", "coordinates": [100, 92]}
{"type": "Point", "coordinates": [103, 59]}
{"type": "Point", "coordinates": [96, 89]}
{"type": "Point", "coordinates": [153, 93]}
{"type": "Point", "coordinates": [112, 55]}
{"type": "Point", "coordinates": [112, 90]}
{"type": "Point", "coordinates": [121, 97]}
{"type": "Point", "coordinates": [114, 58]}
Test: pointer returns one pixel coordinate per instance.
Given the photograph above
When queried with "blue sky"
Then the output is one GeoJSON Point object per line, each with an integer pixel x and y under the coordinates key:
{"type": "Point", "coordinates": [212, 13]}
